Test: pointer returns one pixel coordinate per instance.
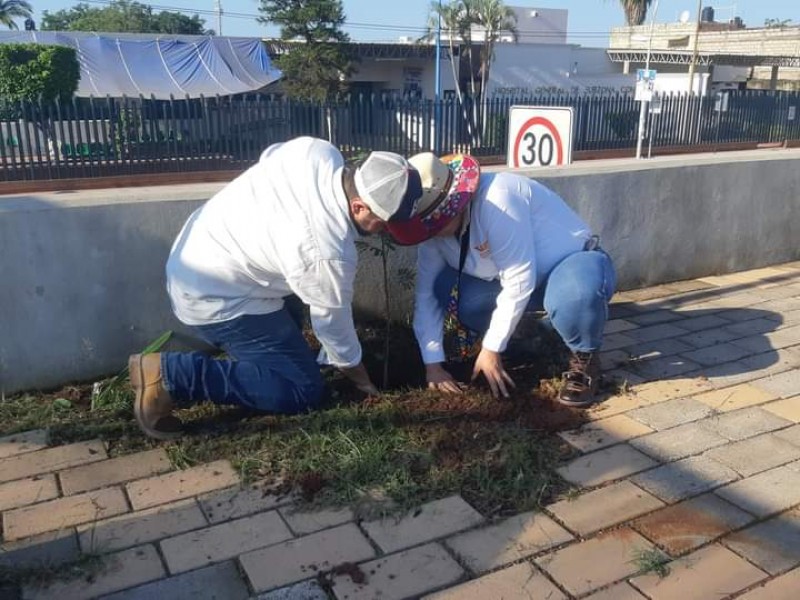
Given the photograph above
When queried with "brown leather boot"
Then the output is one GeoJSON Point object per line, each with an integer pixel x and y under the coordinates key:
{"type": "Point", "coordinates": [581, 382]}
{"type": "Point", "coordinates": [152, 404]}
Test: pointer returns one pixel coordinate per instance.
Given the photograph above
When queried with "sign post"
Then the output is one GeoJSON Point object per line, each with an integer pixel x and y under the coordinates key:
{"type": "Point", "coordinates": [645, 85]}
{"type": "Point", "coordinates": [539, 136]}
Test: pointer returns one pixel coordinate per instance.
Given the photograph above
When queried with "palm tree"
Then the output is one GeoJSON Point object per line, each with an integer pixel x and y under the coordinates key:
{"type": "Point", "coordinates": [494, 17]}
{"type": "Point", "coordinates": [457, 20]}
{"type": "Point", "coordinates": [11, 9]}
{"type": "Point", "coordinates": [635, 10]}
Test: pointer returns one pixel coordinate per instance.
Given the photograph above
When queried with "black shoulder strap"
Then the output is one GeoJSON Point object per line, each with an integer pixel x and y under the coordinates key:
{"type": "Point", "coordinates": [462, 257]}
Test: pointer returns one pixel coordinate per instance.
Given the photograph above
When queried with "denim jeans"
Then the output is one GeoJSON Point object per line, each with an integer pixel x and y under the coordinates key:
{"type": "Point", "coordinates": [575, 295]}
{"type": "Point", "coordinates": [272, 368]}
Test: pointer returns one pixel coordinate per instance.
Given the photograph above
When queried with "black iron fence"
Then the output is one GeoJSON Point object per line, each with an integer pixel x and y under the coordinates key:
{"type": "Point", "coordinates": [108, 136]}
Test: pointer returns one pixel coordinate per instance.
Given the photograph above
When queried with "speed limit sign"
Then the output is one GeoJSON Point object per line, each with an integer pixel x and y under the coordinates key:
{"type": "Point", "coordinates": [539, 136]}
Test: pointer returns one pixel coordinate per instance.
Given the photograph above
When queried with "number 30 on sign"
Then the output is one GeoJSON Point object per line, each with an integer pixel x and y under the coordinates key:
{"type": "Point", "coordinates": [539, 136]}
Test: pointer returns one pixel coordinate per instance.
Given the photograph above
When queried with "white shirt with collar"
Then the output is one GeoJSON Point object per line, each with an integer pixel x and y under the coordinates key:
{"type": "Point", "coordinates": [519, 231]}
{"type": "Point", "coordinates": [283, 227]}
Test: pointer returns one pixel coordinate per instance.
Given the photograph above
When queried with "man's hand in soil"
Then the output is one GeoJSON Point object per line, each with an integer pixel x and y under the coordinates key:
{"type": "Point", "coordinates": [358, 375]}
{"type": "Point", "coordinates": [491, 365]}
{"type": "Point", "coordinates": [439, 379]}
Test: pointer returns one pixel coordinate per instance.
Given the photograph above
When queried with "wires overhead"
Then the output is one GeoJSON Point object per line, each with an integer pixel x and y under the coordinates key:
{"type": "Point", "coordinates": [412, 30]}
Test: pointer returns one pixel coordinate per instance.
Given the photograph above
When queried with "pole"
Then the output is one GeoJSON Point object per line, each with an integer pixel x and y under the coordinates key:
{"type": "Point", "coordinates": [694, 45]}
{"type": "Point", "coordinates": [218, 7]}
{"type": "Point", "coordinates": [437, 108]}
{"type": "Point", "coordinates": [642, 103]}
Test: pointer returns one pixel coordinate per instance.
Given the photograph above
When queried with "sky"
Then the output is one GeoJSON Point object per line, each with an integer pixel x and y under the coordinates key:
{"type": "Point", "coordinates": [387, 20]}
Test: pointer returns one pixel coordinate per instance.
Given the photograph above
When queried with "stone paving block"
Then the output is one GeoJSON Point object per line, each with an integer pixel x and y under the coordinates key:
{"type": "Point", "coordinates": [603, 508]}
{"type": "Point", "coordinates": [141, 527]}
{"type": "Point", "coordinates": [520, 582]}
{"type": "Point", "coordinates": [788, 409]}
{"type": "Point", "coordinates": [773, 545]}
{"type": "Point", "coordinates": [121, 570]}
{"type": "Point", "coordinates": [765, 494]}
{"type": "Point", "coordinates": [181, 484]}
{"type": "Point", "coordinates": [202, 547]}
{"type": "Point", "coordinates": [671, 413]}
{"type": "Point", "coordinates": [23, 442]}
{"type": "Point", "coordinates": [700, 323]}
{"type": "Point", "coordinates": [683, 527]}
{"type": "Point", "coordinates": [31, 464]}
{"type": "Point", "coordinates": [730, 374]}
{"type": "Point", "coordinates": [618, 340]}
{"type": "Point", "coordinates": [515, 538]}
{"type": "Point", "coordinates": [736, 397]}
{"type": "Point", "coordinates": [586, 566]}
{"type": "Point", "coordinates": [755, 344]}
{"type": "Point", "coordinates": [306, 590]}
{"type": "Point", "coordinates": [606, 432]}
{"type": "Point", "coordinates": [404, 575]}
{"type": "Point", "coordinates": [115, 470]}
{"type": "Point", "coordinates": [745, 423]}
{"type": "Point", "coordinates": [773, 362]}
{"type": "Point", "coordinates": [685, 478]}
{"type": "Point", "coordinates": [781, 588]}
{"type": "Point", "coordinates": [716, 355]}
{"type": "Point", "coordinates": [44, 550]}
{"type": "Point", "coordinates": [27, 491]}
{"type": "Point", "coordinates": [657, 349]}
{"type": "Point", "coordinates": [217, 582]}
{"type": "Point", "coordinates": [64, 512]}
{"type": "Point", "coordinates": [655, 332]}
{"type": "Point", "coordinates": [658, 391]}
{"type": "Point", "coordinates": [615, 404]}
{"type": "Point", "coordinates": [302, 558]}
{"type": "Point", "coordinates": [618, 326]}
{"type": "Point", "coordinates": [756, 454]}
{"type": "Point", "coordinates": [712, 572]}
{"type": "Point", "coordinates": [679, 442]}
{"type": "Point", "coordinates": [606, 465]}
{"type": "Point", "coordinates": [707, 337]}
{"type": "Point", "coordinates": [791, 435]}
{"type": "Point", "coordinates": [304, 522]}
{"type": "Point", "coordinates": [752, 327]}
{"type": "Point", "coordinates": [620, 591]}
{"type": "Point", "coordinates": [785, 384]}
{"type": "Point", "coordinates": [654, 317]}
{"type": "Point", "coordinates": [664, 368]}
{"type": "Point", "coordinates": [240, 501]}
{"type": "Point", "coordinates": [433, 520]}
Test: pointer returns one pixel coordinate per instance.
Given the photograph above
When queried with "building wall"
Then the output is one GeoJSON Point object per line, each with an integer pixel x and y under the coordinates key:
{"type": "Point", "coordinates": [520, 69]}
{"type": "Point", "coordinates": [394, 75]}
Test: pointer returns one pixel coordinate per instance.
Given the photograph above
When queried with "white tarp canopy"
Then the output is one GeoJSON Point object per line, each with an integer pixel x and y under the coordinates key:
{"type": "Point", "coordinates": [119, 64]}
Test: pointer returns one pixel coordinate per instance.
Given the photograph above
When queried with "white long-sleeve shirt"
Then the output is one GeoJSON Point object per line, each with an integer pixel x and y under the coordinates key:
{"type": "Point", "coordinates": [283, 227]}
{"type": "Point", "coordinates": [519, 231]}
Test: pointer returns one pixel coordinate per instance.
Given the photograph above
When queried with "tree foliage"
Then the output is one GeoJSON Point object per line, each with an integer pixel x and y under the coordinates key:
{"type": "Point", "coordinates": [318, 64]}
{"type": "Point", "coordinates": [31, 71]}
{"type": "Point", "coordinates": [14, 9]}
{"type": "Point", "coordinates": [124, 16]}
{"type": "Point", "coordinates": [635, 10]}
{"type": "Point", "coordinates": [461, 20]}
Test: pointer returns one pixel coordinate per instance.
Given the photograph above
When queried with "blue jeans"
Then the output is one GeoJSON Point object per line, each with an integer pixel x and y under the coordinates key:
{"type": "Point", "coordinates": [575, 295]}
{"type": "Point", "coordinates": [273, 368]}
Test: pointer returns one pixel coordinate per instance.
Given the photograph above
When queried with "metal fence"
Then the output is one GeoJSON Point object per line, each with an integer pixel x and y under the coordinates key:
{"type": "Point", "coordinates": [107, 136]}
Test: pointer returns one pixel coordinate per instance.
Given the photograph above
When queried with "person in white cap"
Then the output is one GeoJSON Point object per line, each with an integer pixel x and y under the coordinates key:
{"type": "Point", "coordinates": [280, 236]}
{"type": "Point", "coordinates": [498, 245]}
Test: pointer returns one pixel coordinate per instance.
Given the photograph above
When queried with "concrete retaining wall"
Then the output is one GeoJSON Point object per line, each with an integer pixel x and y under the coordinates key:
{"type": "Point", "coordinates": [83, 283]}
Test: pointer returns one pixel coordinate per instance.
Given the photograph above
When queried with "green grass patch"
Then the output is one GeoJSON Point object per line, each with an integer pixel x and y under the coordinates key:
{"type": "Point", "coordinates": [394, 452]}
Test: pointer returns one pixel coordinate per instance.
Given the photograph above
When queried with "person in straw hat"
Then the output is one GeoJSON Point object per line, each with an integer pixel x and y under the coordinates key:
{"type": "Point", "coordinates": [494, 246]}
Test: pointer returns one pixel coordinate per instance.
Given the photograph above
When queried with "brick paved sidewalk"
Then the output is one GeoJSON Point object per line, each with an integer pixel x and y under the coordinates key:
{"type": "Point", "coordinates": [696, 464]}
